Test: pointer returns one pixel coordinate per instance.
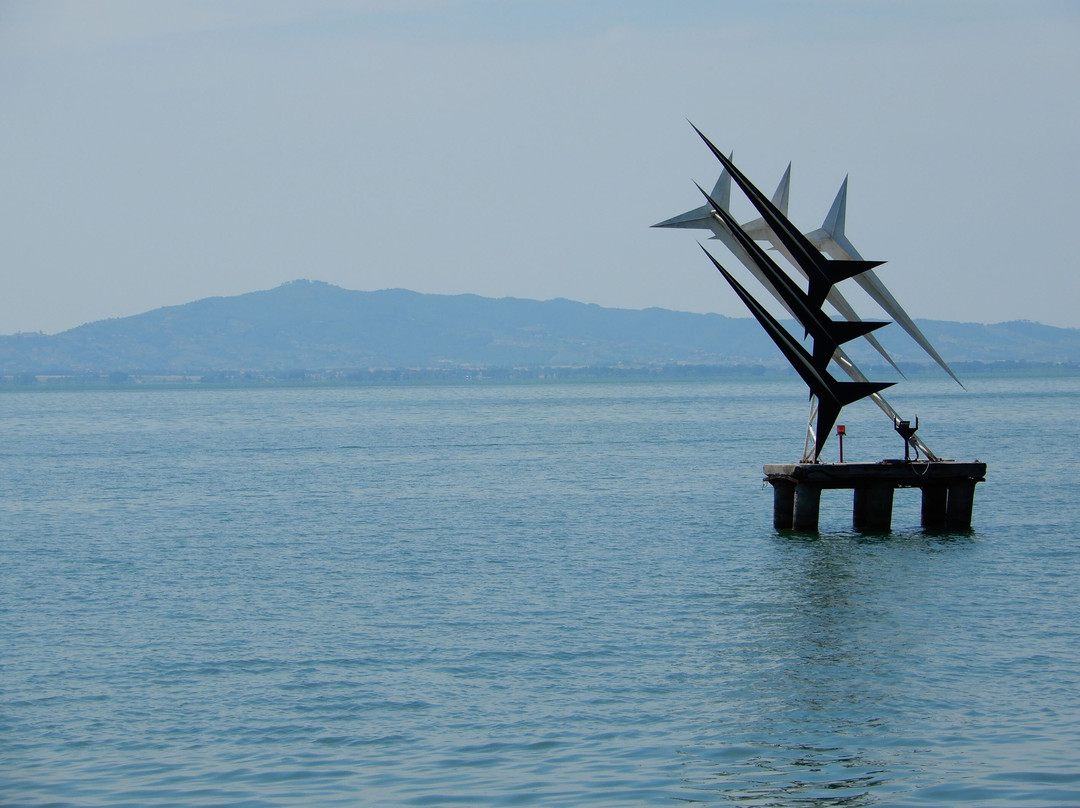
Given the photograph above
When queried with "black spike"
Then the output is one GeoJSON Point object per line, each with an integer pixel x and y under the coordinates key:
{"type": "Point", "coordinates": [828, 334]}
{"type": "Point", "coordinates": [819, 270]}
{"type": "Point", "coordinates": [832, 395]}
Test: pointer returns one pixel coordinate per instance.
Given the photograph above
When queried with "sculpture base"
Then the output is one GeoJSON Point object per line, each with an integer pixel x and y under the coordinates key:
{"type": "Point", "coordinates": [948, 491]}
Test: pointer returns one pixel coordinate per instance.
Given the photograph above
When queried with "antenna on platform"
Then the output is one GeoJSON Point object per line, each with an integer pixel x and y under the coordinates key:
{"type": "Point", "coordinates": [907, 432]}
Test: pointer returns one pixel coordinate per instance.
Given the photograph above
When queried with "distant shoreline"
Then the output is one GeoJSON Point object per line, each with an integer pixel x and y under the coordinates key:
{"type": "Point", "coordinates": [457, 375]}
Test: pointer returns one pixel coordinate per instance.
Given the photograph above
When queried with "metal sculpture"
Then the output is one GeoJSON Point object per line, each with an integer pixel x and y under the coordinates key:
{"type": "Point", "coordinates": [808, 254]}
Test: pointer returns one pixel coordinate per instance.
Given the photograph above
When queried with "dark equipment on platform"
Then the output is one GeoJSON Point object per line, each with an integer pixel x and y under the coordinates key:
{"type": "Point", "coordinates": [907, 432]}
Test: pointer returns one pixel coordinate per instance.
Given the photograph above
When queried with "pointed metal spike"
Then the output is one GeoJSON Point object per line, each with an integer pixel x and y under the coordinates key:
{"type": "Point", "coordinates": [783, 191]}
{"type": "Point", "coordinates": [834, 221]}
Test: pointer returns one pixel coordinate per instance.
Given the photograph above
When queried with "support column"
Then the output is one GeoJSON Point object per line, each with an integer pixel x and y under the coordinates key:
{"type": "Point", "coordinates": [783, 509]}
{"type": "Point", "coordinates": [873, 507]}
{"type": "Point", "coordinates": [961, 500]}
{"type": "Point", "coordinates": [807, 506]}
{"type": "Point", "coordinates": [934, 499]}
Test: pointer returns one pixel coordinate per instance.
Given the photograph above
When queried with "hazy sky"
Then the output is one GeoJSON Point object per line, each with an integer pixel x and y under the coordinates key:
{"type": "Point", "coordinates": [154, 153]}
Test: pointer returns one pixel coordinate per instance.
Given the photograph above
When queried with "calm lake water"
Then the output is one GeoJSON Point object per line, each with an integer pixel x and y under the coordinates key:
{"type": "Point", "coordinates": [557, 594]}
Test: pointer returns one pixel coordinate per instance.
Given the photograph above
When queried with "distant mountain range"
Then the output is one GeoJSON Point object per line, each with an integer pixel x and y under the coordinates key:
{"type": "Point", "coordinates": [312, 326]}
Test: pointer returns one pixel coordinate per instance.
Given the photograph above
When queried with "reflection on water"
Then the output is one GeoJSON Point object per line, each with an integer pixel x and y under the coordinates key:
{"type": "Point", "coordinates": [771, 775]}
{"type": "Point", "coordinates": [836, 672]}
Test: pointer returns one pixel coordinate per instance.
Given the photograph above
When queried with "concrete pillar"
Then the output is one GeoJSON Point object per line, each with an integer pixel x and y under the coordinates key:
{"type": "Point", "coordinates": [859, 511]}
{"type": "Point", "coordinates": [783, 509]}
{"type": "Point", "coordinates": [807, 506]}
{"type": "Point", "coordinates": [961, 499]}
{"type": "Point", "coordinates": [873, 507]}
{"type": "Point", "coordinates": [934, 499]}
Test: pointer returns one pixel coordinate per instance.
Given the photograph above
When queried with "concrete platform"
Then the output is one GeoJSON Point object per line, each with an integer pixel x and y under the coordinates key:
{"type": "Point", "coordinates": [948, 490]}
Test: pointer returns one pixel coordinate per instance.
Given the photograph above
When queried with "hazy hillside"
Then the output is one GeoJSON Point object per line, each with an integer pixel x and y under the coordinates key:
{"type": "Point", "coordinates": [315, 326]}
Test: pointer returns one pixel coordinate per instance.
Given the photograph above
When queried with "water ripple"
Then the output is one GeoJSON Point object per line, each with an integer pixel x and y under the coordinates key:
{"type": "Point", "coordinates": [518, 595]}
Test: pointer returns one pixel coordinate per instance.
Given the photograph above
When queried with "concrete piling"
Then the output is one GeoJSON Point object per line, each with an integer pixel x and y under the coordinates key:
{"type": "Point", "coordinates": [783, 504]}
{"type": "Point", "coordinates": [934, 501]}
{"type": "Point", "coordinates": [807, 506]}
{"type": "Point", "coordinates": [960, 502]}
{"type": "Point", "coordinates": [873, 507]}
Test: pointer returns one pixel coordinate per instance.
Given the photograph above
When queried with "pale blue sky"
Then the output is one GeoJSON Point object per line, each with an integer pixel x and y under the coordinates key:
{"type": "Point", "coordinates": [160, 152]}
